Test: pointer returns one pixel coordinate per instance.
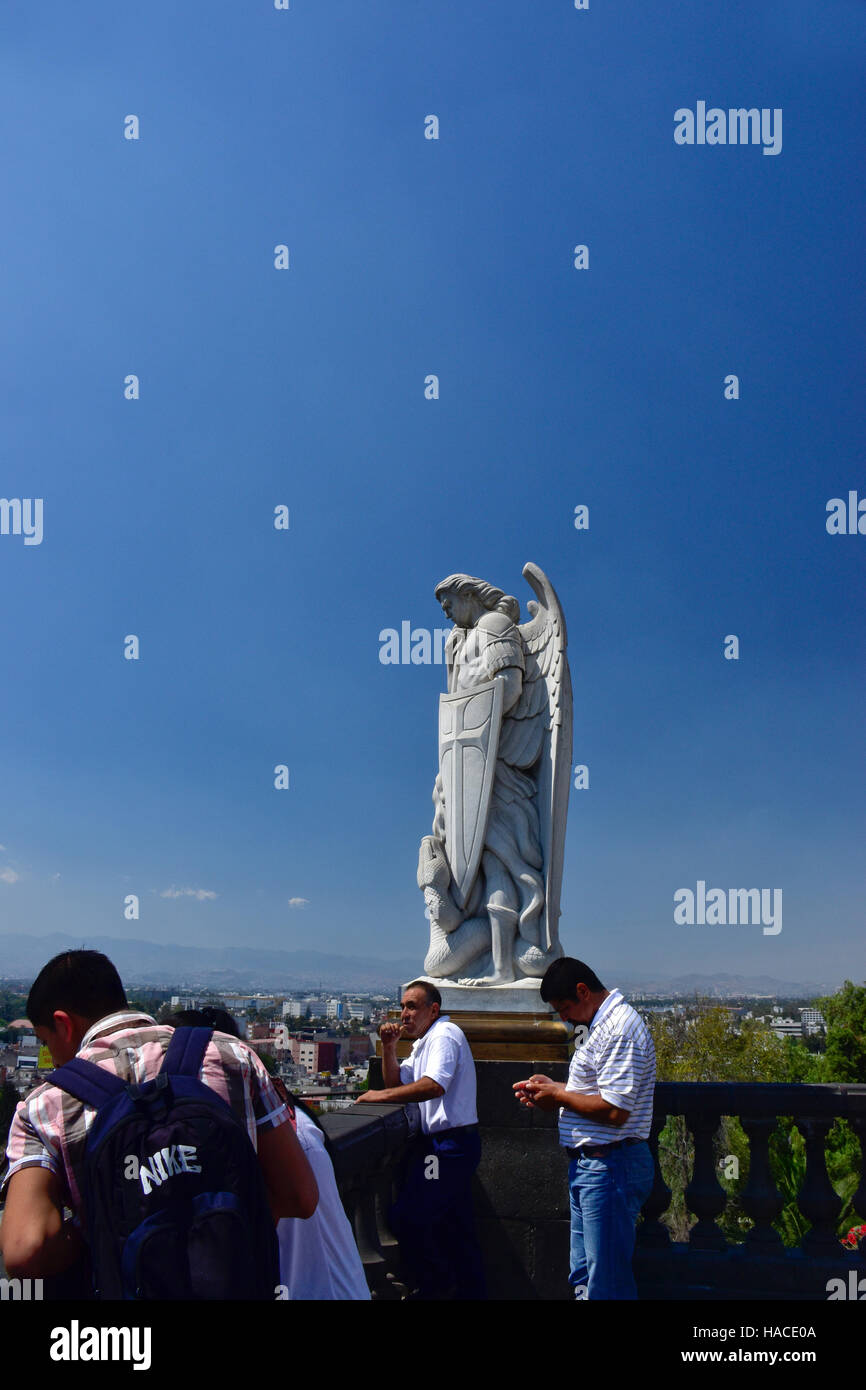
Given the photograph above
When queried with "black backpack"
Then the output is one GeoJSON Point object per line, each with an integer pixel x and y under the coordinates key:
{"type": "Point", "coordinates": [174, 1198]}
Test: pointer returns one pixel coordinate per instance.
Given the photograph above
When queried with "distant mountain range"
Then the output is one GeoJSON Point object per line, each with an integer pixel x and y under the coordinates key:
{"type": "Point", "coordinates": [217, 967]}
{"type": "Point", "coordinates": [722, 984]}
{"type": "Point", "coordinates": [250, 968]}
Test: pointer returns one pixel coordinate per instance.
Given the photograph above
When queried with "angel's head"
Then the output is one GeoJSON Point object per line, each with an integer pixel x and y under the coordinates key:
{"type": "Point", "coordinates": [464, 598]}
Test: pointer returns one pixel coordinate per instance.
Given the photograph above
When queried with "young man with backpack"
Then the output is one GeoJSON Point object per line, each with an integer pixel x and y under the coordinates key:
{"type": "Point", "coordinates": [171, 1147]}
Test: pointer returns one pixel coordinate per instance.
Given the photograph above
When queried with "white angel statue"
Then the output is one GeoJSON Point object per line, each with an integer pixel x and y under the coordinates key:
{"type": "Point", "coordinates": [491, 871]}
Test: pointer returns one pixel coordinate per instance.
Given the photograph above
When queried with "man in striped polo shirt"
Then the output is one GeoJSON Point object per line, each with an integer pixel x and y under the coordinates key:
{"type": "Point", "coordinates": [605, 1114]}
{"type": "Point", "coordinates": [78, 1007]}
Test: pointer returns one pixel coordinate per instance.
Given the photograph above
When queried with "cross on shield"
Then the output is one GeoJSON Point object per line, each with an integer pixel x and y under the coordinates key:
{"type": "Point", "coordinates": [469, 725]}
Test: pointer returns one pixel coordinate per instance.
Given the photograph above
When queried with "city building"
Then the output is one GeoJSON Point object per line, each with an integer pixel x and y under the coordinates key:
{"type": "Point", "coordinates": [812, 1021]}
{"type": "Point", "coordinates": [311, 1006]}
{"type": "Point", "coordinates": [28, 1051]}
{"type": "Point", "coordinates": [315, 1057]}
{"type": "Point", "coordinates": [786, 1027]}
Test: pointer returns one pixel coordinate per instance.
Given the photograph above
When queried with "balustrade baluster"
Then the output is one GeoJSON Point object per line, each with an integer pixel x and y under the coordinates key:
{"type": "Point", "coordinates": [761, 1198]}
{"type": "Point", "coordinates": [652, 1233]}
{"type": "Point", "coordinates": [816, 1199]}
{"type": "Point", "coordinates": [705, 1195]}
{"type": "Point", "coordinates": [363, 1202]}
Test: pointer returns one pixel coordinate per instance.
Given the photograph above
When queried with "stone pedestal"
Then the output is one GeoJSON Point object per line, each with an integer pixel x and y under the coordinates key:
{"type": "Point", "coordinates": [521, 997]}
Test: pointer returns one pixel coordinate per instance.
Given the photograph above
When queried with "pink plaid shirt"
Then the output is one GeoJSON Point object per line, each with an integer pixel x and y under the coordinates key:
{"type": "Point", "coordinates": [49, 1128]}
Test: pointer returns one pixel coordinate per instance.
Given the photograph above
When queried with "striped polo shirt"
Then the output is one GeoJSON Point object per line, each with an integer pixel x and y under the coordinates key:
{"type": "Point", "coordinates": [618, 1062]}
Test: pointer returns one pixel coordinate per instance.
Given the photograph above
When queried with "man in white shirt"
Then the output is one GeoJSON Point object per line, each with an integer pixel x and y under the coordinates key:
{"type": "Point", "coordinates": [433, 1217]}
{"type": "Point", "coordinates": [605, 1114]}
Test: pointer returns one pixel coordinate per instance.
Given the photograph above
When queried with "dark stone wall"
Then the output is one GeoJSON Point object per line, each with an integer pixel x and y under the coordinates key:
{"type": "Point", "coordinates": [521, 1188]}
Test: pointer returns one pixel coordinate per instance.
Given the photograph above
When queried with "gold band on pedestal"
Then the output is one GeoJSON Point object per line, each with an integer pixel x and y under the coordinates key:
{"type": "Point", "coordinates": [504, 1037]}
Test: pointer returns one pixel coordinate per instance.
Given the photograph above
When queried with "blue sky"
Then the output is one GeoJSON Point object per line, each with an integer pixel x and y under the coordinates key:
{"type": "Point", "coordinates": [306, 387]}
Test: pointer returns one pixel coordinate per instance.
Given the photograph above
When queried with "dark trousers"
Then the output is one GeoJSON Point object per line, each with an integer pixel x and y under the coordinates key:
{"type": "Point", "coordinates": [433, 1217]}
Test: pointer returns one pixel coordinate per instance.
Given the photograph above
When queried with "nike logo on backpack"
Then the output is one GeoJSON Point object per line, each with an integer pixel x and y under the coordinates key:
{"type": "Point", "coordinates": [177, 1158]}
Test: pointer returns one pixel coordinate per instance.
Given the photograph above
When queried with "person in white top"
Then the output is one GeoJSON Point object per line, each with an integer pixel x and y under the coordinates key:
{"type": "Point", "coordinates": [605, 1115]}
{"type": "Point", "coordinates": [433, 1217]}
{"type": "Point", "coordinates": [318, 1257]}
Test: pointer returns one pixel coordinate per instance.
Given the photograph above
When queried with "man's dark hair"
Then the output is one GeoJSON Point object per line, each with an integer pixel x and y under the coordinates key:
{"type": "Point", "coordinates": [76, 982]}
{"type": "Point", "coordinates": [562, 978]}
{"type": "Point", "coordinates": [432, 993]}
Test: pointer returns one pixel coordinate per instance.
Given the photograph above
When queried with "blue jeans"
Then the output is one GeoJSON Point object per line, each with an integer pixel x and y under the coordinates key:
{"type": "Point", "coordinates": [606, 1195]}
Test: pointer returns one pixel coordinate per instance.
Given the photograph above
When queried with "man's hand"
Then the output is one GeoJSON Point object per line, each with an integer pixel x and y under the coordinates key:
{"type": "Point", "coordinates": [390, 1034]}
{"type": "Point", "coordinates": [424, 1089]}
{"type": "Point", "coordinates": [539, 1093]}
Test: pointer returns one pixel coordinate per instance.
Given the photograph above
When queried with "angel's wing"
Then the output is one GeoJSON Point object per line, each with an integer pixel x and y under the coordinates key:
{"type": "Point", "coordinates": [547, 686]}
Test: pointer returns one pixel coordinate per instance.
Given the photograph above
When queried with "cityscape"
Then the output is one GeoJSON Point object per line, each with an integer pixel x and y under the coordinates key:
{"type": "Point", "coordinates": [320, 1044]}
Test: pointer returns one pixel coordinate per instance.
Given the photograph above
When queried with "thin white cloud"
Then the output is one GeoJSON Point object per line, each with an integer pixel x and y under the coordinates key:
{"type": "Point", "coordinates": [202, 894]}
{"type": "Point", "coordinates": [298, 902]}
{"type": "Point", "coordinates": [9, 876]}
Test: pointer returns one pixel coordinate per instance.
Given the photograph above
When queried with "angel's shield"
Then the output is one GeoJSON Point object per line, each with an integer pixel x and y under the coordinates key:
{"type": "Point", "coordinates": [469, 725]}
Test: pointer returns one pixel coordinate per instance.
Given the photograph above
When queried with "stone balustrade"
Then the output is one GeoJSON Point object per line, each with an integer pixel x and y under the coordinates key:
{"type": "Point", "coordinates": [707, 1265]}
{"type": "Point", "coordinates": [366, 1145]}
{"type": "Point", "coordinates": [368, 1142]}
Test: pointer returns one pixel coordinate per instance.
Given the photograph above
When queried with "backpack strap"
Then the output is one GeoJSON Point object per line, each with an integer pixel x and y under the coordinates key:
{"type": "Point", "coordinates": [86, 1081]}
{"type": "Point", "coordinates": [185, 1052]}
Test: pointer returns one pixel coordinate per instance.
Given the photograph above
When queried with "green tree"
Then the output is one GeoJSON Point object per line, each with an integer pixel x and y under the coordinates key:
{"type": "Point", "coordinates": [845, 1016]}
{"type": "Point", "coordinates": [12, 1004]}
